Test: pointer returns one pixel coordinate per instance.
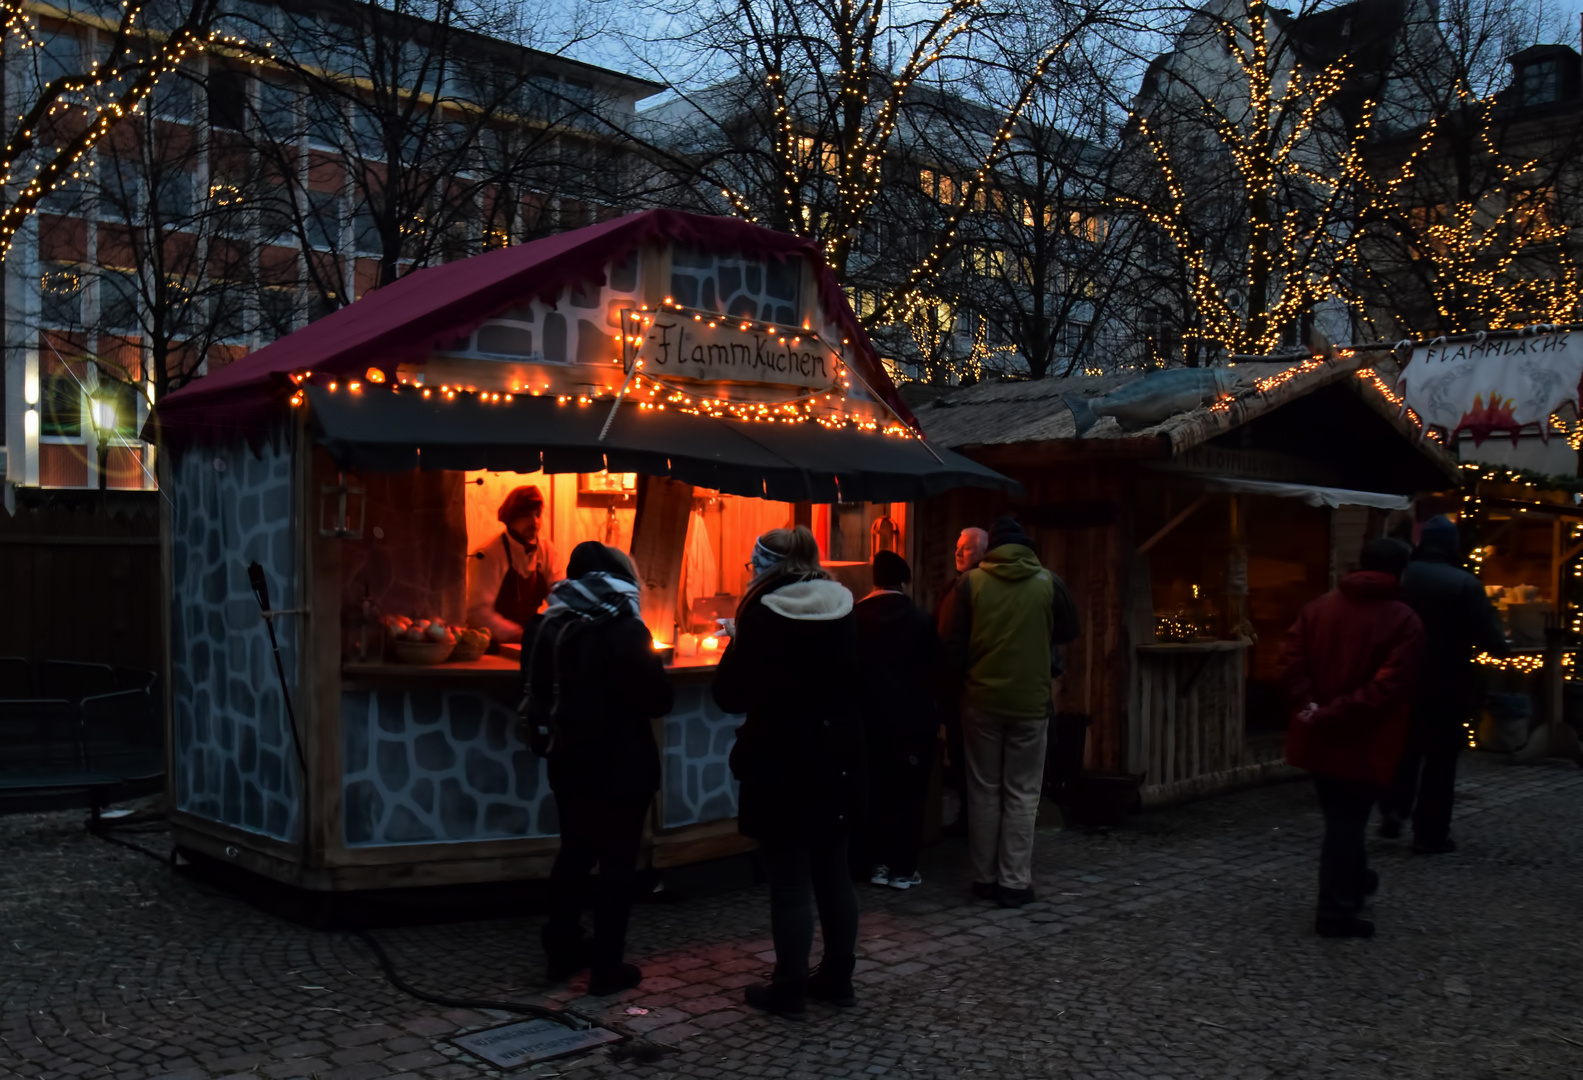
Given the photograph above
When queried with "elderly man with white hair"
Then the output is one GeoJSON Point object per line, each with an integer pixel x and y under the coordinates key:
{"type": "Point", "coordinates": [970, 549]}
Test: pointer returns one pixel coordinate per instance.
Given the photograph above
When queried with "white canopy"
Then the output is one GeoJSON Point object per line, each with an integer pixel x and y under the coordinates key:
{"type": "Point", "coordinates": [1309, 493]}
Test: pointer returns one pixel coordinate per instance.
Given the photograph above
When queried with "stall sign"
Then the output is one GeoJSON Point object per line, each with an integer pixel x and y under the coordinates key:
{"type": "Point", "coordinates": [1499, 384]}
{"type": "Point", "coordinates": [678, 346]}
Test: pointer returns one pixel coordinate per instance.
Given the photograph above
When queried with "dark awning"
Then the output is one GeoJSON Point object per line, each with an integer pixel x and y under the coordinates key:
{"type": "Point", "coordinates": [383, 431]}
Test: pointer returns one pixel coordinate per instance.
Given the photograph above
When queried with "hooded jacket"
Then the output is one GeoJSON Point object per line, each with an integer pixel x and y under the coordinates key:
{"type": "Point", "coordinates": [1356, 653]}
{"type": "Point", "coordinates": [898, 649]}
{"type": "Point", "coordinates": [792, 667]}
{"type": "Point", "coordinates": [1011, 616]}
{"type": "Point", "coordinates": [1459, 621]}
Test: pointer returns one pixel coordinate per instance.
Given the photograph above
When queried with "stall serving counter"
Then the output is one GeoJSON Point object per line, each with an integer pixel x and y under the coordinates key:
{"type": "Point", "coordinates": [669, 384]}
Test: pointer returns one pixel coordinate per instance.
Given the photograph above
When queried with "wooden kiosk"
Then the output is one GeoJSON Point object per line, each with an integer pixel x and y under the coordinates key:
{"type": "Point", "coordinates": [669, 383]}
{"type": "Point", "coordinates": [1190, 545]}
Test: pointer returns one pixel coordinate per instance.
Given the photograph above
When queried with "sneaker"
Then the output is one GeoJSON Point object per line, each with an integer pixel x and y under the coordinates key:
{"type": "Point", "coordinates": [1012, 898]}
{"type": "Point", "coordinates": [1348, 927]}
{"type": "Point", "coordinates": [621, 977]}
{"type": "Point", "coordinates": [880, 876]}
{"type": "Point", "coordinates": [906, 881]}
{"type": "Point", "coordinates": [778, 998]}
{"type": "Point", "coordinates": [1434, 847]}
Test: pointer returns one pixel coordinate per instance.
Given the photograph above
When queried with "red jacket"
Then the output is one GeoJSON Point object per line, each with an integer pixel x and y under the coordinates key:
{"type": "Point", "coordinates": [1356, 653]}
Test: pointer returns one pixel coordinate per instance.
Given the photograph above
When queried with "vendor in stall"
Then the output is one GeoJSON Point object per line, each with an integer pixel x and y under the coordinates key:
{"type": "Point", "coordinates": [510, 577]}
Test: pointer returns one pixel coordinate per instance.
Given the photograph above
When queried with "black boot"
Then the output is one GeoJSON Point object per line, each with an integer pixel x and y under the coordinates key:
{"type": "Point", "coordinates": [565, 952]}
{"type": "Point", "coordinates": [831, 982]}
{"type": "Point", "coordinates": [783, 997]}
{"type": "Point", "coordinates": [614, 980]}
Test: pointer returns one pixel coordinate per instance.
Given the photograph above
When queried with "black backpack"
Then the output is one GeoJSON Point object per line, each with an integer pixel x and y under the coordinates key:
{"type": "Point", "coordinates": [537, 722]}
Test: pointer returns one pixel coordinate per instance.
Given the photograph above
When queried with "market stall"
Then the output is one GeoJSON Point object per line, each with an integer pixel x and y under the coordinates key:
{"type": "Point", "coordinates": [1508, 402]}
{"type": "Point", "coordinates": [414, 469]}
{"type": "Point", "coordinates": [1193, 514]}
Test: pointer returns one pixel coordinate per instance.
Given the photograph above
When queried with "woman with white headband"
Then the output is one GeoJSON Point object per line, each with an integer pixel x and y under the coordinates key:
{"type": "Point", "coordinates": [792, 668]}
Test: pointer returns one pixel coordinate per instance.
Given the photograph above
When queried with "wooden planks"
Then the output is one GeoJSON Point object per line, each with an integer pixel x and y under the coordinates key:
{"type": "Point", "coordinates": [659, 541]}
{"type": "Point", "coordinates": [1190, 705]}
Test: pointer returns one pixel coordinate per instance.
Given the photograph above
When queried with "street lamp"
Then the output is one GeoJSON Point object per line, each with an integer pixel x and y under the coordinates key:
{"type": "Point", "coordinates": [102, 410]}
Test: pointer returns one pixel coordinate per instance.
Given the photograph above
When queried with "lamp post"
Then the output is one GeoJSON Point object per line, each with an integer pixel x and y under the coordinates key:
{"type": "Point", "coordinates": [102, 410]}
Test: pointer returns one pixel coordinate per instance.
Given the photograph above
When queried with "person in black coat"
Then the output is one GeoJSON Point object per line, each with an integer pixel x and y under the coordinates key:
{"type": "Point", "coordinates": [1459, 622]}
{"type": "Point", "coordinates": [898, 649]}
{"type": "Point", "coordinates": [590, 668]}
{"type": "Point", "coordinates": [792, 668]}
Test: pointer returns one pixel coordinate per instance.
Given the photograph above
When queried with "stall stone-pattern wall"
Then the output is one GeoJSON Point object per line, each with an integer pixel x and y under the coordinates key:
{"type": "Point", "coordinates": [438, 766]}
{"type": "Point", "coordinates": [698, 739]}
{"type": "Point", "coordinates": [233, 753]}
{"type": "Point", "coordinates": [734, 286]}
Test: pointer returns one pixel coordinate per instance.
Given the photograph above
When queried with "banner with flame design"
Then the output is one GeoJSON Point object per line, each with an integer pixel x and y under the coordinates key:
{"type": "Point", "coordinates": [1497, 385]}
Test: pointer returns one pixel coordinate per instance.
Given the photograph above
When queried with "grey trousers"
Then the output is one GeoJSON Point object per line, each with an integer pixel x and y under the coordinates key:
{"type": "Point", "coordinates": [1005, 772]}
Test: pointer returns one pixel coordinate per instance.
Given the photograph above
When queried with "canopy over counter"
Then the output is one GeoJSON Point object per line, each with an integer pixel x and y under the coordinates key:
{"type": "Point", "coordinates": [392, 430]}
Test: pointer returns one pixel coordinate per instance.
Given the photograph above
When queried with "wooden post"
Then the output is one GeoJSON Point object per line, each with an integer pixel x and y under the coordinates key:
{"type": "Point", "coordinates": [659, 540]}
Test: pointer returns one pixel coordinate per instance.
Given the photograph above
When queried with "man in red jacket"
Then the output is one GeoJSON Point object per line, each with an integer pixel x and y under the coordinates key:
{"type": "Point", "coordinates": [1351, 664]}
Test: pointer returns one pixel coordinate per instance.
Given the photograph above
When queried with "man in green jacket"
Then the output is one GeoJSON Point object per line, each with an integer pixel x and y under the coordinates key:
{"type": "Point", "coordinates": [1011, 618]}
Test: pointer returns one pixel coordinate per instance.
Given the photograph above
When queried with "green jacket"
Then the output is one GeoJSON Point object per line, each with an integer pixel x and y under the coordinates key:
{"type": "Point", "coordinates": [1011, 618]}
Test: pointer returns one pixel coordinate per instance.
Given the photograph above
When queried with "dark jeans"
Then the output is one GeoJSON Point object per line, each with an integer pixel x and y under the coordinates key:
{"type": "Point", "coordinates": [611, 840]}
{"type": "Point", "coordinates": [899, 768]}
{"type": "Point", "coordinates": [1424, 788]}
{"type": "Point", "coordinates": [1343, 857]}
{"type": "Point", "coordinates": [800, 876]}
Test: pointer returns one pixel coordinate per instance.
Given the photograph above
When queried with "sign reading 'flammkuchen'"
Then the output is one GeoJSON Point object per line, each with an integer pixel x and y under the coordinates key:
{"type": "Point", "coordinates": [678, 346]}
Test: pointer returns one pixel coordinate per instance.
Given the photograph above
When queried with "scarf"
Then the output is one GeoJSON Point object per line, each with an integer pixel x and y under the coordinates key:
{"type": "Point", "coordinates": [595, 597]}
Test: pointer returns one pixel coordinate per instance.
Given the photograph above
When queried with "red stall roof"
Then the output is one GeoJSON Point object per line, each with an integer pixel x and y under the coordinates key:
{"type": "Point", "coordinates": [407, 319]}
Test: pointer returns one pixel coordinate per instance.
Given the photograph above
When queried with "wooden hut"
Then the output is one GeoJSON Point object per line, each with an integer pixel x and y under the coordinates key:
{"type": "Point", "coordinates": [668, 383]}
{"type": "Point", "coordinates": [1190, 543]}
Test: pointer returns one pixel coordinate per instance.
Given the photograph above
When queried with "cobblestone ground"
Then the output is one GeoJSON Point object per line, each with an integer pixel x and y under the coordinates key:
{"type": "Point", "coordinates": [1176, 946]}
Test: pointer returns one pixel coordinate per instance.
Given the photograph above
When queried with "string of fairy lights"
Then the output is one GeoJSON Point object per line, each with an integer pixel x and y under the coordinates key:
{"type": "Point", "coordinates": [78, 108]}
{"type": "Point", "coordinates": [646, 392]}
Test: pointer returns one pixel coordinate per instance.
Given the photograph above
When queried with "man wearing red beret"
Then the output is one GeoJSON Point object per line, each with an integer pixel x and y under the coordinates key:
{"type": "Point", "coordinates": [509, 579]}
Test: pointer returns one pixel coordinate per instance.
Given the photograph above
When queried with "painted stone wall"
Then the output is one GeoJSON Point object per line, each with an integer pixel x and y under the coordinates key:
{"type": "Point", "coordinates": [734, 286]}
{"type": "Point", "coordinates": [233, 753]}
{"type": "Point", "coordinates": [698, 740]}
{"type": "Point", "coordinates": [437, 766]}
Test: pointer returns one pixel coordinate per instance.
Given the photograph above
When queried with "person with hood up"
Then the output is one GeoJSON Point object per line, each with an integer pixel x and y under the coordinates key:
{"type": "Point", "coordinates": [792, 667]}
{"type": "Point", "coordinates": [1459, 622]}
{"type": "Point", "coordinates": [1009, 620]}
{"type": "Point", "coordinates": [898, 649]}
{"type": "Point", "coordinates": [1350, 669]}
{"type": "Point", "coordinates": [594, 683]}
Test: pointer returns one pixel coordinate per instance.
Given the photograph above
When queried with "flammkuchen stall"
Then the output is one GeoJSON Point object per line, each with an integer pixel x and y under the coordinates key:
{"type": "Point", "coordinates": [405, 477]}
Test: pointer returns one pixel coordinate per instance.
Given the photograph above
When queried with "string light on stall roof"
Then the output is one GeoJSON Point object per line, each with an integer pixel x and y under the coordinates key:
{"type": "Point", "coordinates": [1525, 665]}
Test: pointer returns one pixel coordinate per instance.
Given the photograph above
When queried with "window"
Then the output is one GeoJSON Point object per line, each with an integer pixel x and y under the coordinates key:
{"type": "Point", "coordinates": [369, 130]}
{"type": "Point", "coordinates": [60, 406]}
{"type": "Point", "coordinates": [58, 56]}
{"type": "Point", "coordinates": [1090, 227]}
{"type": "Point", "coordinates": [277, 111]}
{"type": "Point", "coordinates": [60, 293]}
{"type": "Point", "coordinates": [365, 231]}
{"type": "Point", "coordinates": [172, 98]}
{"type": "Point", "coordinates": [118, 301]}
{"type": "Point", "coordinates": [230, 314]}
{"type": "Point", "coordinates": [277, 312]}
{"type": "Point", "coordinates": [227, 98]}
{"type": "Point", "coordinates": [324, 123]}
{"type": "Point", "coordinates": [949, 191]}
{"type": "Point", "coordinates": [323, 224]}
{"type": "Point", "coordinates": [173, 196]}
{"type": "Point", "coordinates": [1540, 83]}
{"type": "Point", "coordinates": [120, 189]}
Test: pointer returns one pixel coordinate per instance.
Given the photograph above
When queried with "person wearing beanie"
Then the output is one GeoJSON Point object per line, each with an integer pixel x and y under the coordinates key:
{"type": "Point", "coordinates": [1459, 623]}
{"type": "Point", "coordinates": [1010, 618]}
{"type": "Point", "coordinates": [898, 650]}
{"type": "Point", "coordinates": [1350, 667]}
{"type": "Point", "coordinates": [509, 578]}
{"type": "Point", "coordinates": [593, 682]}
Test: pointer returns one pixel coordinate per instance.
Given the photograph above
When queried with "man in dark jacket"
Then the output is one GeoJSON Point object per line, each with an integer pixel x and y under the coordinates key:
{"type": "Point", "coordinates": [589, 665]}
{"type": "Point", "coordinates": [1459, 622]}
{"type": "Point", "coordinates": [1011, 617]}
{"type": "Point", "coordinates": [897, 648]}
{"type": "Point", "coordinates": [1351, 666]}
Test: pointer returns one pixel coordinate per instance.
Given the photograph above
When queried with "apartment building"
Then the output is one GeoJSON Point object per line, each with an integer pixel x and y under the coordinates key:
{"type": "Point", "coordinates": [265, 184]}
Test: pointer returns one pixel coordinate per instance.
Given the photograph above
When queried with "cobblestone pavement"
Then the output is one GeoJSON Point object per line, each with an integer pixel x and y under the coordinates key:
{"type": "Point", "coordinates": [1176, 946]}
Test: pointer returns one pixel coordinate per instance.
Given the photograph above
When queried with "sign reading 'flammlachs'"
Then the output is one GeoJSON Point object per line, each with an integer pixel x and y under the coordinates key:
{"type": "Point", "coordinates": [1500, 384]}
{"type": "Point", "coordinates": [677, 346]}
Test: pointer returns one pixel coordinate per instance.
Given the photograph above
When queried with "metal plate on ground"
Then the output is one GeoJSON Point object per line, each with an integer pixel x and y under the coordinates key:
{"type": "Point", "coordinates": [514, 1045]}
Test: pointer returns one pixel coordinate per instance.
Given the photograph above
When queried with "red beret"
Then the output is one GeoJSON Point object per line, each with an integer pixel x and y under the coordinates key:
{"type": "Point", "coordinates": [522, 500]}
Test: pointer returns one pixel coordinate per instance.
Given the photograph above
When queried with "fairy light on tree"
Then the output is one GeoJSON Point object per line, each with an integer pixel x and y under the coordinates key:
{"type": "Point", "coordinates": [68, 113]}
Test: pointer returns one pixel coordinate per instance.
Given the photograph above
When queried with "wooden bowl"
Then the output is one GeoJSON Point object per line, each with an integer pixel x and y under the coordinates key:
{"type": "Point", "coordinates": [427, 653]}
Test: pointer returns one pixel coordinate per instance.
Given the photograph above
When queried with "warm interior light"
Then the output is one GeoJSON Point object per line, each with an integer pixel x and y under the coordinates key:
{"type": "Point", "coordinates": [711, 642]}
{"type": "Point", "coordinates": [658, 645]}
{"type": "Point", "coordinates": [374, 375]}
